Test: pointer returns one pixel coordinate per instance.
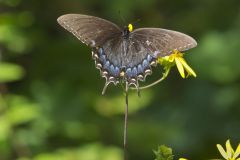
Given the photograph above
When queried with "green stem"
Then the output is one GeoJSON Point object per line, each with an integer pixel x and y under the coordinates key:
{"type": "Point", "coordinates": [125, 123]}
{"type": "Point", "coordinates": [165, 74]}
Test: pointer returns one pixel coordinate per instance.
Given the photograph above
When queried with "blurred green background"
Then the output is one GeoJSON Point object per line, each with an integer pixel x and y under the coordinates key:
{"type": "Point", "coordinates": [51, 107]}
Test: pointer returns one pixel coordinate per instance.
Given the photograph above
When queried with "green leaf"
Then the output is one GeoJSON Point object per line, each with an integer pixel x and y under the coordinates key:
{"type": "Point", "coordinates": [136, 103]}
{"type": "Point", "coordinates": [163, 153]}
{"type": "Point", "coordinates": [5, 128]}
{"type": "Point", "coordinates": [21, 110]}
{"type": "Point", "coordinates": [92, 151]}
{"type": "Point", "coordinates": [10, 72]}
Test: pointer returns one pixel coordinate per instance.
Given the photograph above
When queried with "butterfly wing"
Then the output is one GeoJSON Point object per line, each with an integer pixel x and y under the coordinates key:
{"type": "Point", "coordinates": [162, 42]}
{"type": "Point", "coordinates": [92, 31]}
{"type": "Point", "coordinates": [136, 52]}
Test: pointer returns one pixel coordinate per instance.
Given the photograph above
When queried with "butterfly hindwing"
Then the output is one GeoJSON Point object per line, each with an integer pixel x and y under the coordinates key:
{"type": "Point", "coordinates": [125, 53]}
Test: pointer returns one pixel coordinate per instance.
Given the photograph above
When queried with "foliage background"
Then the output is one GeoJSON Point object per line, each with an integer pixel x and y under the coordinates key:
{"type": "Point", "coordinates": [51, 107]}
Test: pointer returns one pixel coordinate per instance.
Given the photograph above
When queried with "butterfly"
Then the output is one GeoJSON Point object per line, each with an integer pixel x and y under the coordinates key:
{"type": "Point", "coordinates": [124, 54]}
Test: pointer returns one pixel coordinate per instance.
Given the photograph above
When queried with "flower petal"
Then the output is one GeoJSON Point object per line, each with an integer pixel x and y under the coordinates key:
{"type": "Point", "coordinates": [187, 67]}
{"type": "Point", "coordinates": [229, 149]}
{"type": "Point", "coordinates": [237, 152]}
{"type": "Point", "coordinates": [221, 150]}
{"type": "Point", "coordinates": [180, 67]}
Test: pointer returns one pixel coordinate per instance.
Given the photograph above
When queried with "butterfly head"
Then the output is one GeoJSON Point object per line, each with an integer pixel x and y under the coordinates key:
{"type": "Point", "coordinates": [127, 30]}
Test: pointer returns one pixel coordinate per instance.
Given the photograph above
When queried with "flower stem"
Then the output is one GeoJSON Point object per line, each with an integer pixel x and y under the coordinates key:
{"type": "Point", "coordinates": [125, 123]}
{"type": "Point", "coordinates": [165, 74]}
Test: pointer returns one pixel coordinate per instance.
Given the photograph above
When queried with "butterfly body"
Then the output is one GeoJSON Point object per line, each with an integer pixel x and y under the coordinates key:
{"type": "Point", "coordinates": [124, 55]}
{"type": "Point", "coordinates": [126, 31]}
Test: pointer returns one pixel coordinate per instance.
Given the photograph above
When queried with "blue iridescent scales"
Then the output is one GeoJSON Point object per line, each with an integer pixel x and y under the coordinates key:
{"type": "Point", "coordinates": [114, 74]}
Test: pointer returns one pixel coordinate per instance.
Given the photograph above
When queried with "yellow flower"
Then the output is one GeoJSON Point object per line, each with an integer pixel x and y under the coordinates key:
{"type": "Point", "coordinates": [229, 154]}
{"type": "Point", "coordinates": [177, 58]}
{"type": "Point", "coordinates": [183, 159]}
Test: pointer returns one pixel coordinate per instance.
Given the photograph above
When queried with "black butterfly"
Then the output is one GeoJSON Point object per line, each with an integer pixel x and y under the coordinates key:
{"type": "Point", "coordinates": [124, 54]}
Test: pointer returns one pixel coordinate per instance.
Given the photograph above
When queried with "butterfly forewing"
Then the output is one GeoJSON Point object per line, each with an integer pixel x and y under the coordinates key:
{"type": "Point", "coordinates": [161, 42]}
{"type": "Point", "coordinates": [90, 30]}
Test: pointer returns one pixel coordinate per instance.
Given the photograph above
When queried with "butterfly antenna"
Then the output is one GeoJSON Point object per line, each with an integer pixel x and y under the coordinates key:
{"type": "Point", "coordinates": [125, 123]}
{"type": "Point", "coordinates": [122, 18]}
{"type": "Point", "coordinates": [135, 22]}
